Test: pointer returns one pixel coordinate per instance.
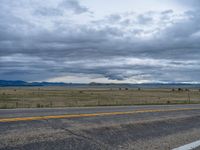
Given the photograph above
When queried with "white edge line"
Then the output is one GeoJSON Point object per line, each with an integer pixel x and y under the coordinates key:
{"type": "Point", "coordinates": [189, 146]}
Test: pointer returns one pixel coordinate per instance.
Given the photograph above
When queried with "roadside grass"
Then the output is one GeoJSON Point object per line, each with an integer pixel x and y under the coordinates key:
{"type": "Point", "coordinates": [40, 97]}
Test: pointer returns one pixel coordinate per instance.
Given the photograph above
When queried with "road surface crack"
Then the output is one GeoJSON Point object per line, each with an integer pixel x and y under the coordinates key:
{"type": "Point", "coordinates": [105, 146]}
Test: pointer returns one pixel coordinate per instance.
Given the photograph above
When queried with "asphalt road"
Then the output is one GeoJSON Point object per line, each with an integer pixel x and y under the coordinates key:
{"type": "Point", "coordinates": [130, 127]}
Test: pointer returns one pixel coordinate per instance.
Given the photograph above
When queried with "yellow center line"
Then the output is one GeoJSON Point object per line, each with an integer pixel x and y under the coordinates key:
{"type": "Point", "coordinates": [91, 115]}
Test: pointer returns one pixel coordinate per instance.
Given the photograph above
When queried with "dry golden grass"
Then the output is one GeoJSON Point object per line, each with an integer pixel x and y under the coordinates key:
{"type": "Point", "coordinates": [30, 97]}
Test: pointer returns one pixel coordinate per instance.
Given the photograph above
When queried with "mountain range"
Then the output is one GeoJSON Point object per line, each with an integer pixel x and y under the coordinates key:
{"type": "Point", "coordinates": [6, 83]}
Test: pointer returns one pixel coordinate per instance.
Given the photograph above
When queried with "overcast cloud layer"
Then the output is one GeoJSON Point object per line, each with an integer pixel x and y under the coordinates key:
{"type": "Point", "coordinates": [99, 41]}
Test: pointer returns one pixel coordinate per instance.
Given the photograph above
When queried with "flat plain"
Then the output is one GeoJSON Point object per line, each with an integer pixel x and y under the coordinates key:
{"type": "Point", "coordinates": [38, 97]}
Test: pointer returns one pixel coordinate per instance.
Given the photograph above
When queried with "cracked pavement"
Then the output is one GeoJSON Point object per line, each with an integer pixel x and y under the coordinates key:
{"type": "Point", "coordinates": [149, 130]}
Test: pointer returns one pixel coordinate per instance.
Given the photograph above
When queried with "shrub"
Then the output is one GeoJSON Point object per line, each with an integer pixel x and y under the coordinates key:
{"type": "Point", "coordinates": [179, 89]}
{"type": "Point", "coordinates": [168, 102]}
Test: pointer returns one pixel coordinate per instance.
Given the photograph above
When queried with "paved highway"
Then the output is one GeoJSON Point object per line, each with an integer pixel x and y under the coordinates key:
{"type": "Point", "coordinates": [128, 127]}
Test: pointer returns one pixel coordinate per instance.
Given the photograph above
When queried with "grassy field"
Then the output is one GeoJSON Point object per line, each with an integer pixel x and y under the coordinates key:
{"type": "Point", "coordinates": [37, 97]}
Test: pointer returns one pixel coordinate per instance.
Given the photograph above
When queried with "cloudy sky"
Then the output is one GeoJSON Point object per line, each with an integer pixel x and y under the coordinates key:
{"type": "Point", "coordinates": [118, 41]}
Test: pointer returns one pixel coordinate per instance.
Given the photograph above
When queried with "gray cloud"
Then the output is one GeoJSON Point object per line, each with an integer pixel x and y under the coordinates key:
{"type": "Point", "coordinates": [74, 5]}
{"type": "Point", "coordinates": [192, 3]}
{"type": "Point", "coordinates": [157, 46]}
{"type": "Point", "coordinates": [48, 12]}
{"type": "Point", "coordinates": [144, 19]}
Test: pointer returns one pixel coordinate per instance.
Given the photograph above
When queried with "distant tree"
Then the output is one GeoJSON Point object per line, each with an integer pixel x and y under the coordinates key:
{"type": "Point", "coordinates": [126, 89]}
{"type": "Point", "coordinates": [139, 89]}
{"type": "Point", "coordinates": [120, 89]}
{"type": "Point", "coordinates": [173, 90]}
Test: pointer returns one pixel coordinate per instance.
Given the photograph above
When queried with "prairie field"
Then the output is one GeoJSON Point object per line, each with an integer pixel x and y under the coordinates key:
{"type": "Point", "coordinates": [38, 97]}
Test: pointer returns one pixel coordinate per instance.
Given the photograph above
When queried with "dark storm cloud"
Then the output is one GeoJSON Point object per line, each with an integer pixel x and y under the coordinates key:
{"type": "Point", "coordinates": [157, 46]}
